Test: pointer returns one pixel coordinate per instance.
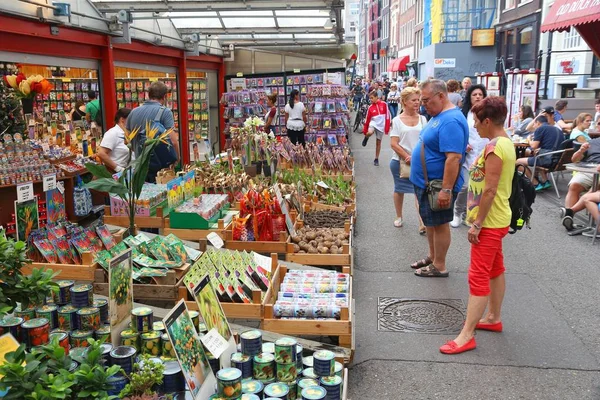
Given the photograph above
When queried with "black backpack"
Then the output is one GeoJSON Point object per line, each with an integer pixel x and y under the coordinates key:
{"type": "Point", "coordinates": [520, 200]}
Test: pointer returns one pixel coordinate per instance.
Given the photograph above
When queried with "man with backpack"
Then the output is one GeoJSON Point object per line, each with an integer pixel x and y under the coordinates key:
{"type": "Point", "coordinates": [92, 110]}
{"type": "Point", "coordinates": [155, 112]}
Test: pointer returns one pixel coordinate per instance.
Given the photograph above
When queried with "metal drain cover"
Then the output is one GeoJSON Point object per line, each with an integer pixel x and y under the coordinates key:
{"type": "Point", "coordinates": [443, 316]}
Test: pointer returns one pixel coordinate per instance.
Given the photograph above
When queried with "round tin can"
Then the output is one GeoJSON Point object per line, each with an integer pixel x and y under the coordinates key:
{"type": "Point", "coordinates": [333, 386]}
{"type": "Point", "coordinates": [229, 383]}
{"type": "Point", "coordinates": [195, 316]}
{"type": "Point", "coordinates": [167, 348]}
{"type": "Point", "coordinates": [27, 314]}
{"type": "Point", "coordinates": [82, 295]}
{"type": "Point", "coordinates": [123, 356]}
{"type": "Point", "coordinates": [142, 319]}
{"type": "Point", "coordinates": [215, 365]}
{"type": "Point", "coordinates": [285, 351]}
{"type": "Point", "coordinates": [129, 337]}
{"type": "Point", "coordinates": [307, 362]}
{"type": "Point", "coordinates": [268, 348]}
{"type": "Point", "coordinates": [150, 343]}
{"type": "Point", "coordinates": [102, 334]}
{"type": "Point", "coordinates": [264, 366]}
{"type": "Point", "coordinates": [106, 348]}
{"type": "Point", "coordinates": [293, 393]}
{"type": "Point", "coordinates": [50, 312]}
{"type": "Point", "coordinates": [299, 350]}
{"type": "Point", "coordinates": [324, 363]}
{"type": "Point", "coordinates": [314, 393]}
{"type": "Point", "coordinates": [116, 384]}
{"type": "Point", "coordinates": [278, 390]}
{"type": "Point", "coordinates": [173, 380]}
{"type": "Point", "coordinates": [253, 387]}
{"type": "Point", "coordinates": [35, 332]}
{"type": "Point", "coordinates": [202, 327]}
{"type": "Point", "coordinates": [243, 363]}
{"type": "Point", "coordinates": [102, 305]}
{"type": "Point", "coordinates": [78, 354]}
{"type": "Point", "coordinates": [11, 325]}
{"type": "Point", "coordinates": [251, 342]}
{"type": "Point", "coordinates": [305, 383]}
{"type": "Point", "coordinates": [338, 369]}
{"type": "Point", "coordinates": [158, 326]}
{"type": "Point", "coordinates": [89, 318]}
{"type": "Point", "coordinates": [63, 296]}
{"type": "Point", "coordinates": [79, 338]}
{"type": "Point", "coordinates": [267, 381]}
{"type": "Point", "coordinates": [247, 396]}
{"type": "Point", "coordinates": [68, 320]}
{"type": "Point", "coordinates": [286, 372]}
{"type": "Point", "coordinates": [63, 340]}
{"type": "Point", "coordinates": [309, 373]}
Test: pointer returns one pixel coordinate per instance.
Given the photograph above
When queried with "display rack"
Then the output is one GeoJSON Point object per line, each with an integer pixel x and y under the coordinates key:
{"type": "Point", "coordinates": [328, 115]}
{"type": "Point", "coordinates": [63, 97]}
{"type": "Point", "coordinates": [198, 112]}
{"type": "Point", "coordinates": [132, 93]}
{"type": "Point", "coordinates": [241, 105]}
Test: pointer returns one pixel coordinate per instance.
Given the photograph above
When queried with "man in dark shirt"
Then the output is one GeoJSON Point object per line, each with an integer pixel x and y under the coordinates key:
{"type": "Point", "coordinates": [581, 182]}
{"type": "Point", "coordinates": [358, 92]}
{"type": "Point", "coordinates": [546, 138]}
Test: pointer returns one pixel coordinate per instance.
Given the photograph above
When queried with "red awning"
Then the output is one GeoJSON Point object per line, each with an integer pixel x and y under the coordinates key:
{"type": "Point", "coordinates": [401, 65]}
{"type": "Point", "coordinates": [564, 14]}
{"type": "Point", "coordinates": [392, 66]}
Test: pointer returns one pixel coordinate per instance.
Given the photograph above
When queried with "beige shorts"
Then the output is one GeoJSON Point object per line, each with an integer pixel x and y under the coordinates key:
{"type": "Point", "coordinates": [583, 179]}
{"type": "Point", "coordinates": [377, 132]}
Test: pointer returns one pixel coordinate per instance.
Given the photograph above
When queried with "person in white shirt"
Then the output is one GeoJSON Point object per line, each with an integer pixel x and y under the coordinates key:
{"type": "Point", "coordinates": [113, 151]}
{"type": "Point", "coordinates": [295, 118]}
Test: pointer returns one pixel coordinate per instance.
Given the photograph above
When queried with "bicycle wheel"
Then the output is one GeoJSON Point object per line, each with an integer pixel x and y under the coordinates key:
{"type": "Point", "coordinates": [357, 120]}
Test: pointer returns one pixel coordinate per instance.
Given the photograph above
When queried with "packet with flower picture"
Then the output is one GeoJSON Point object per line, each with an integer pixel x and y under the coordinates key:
{"type": "Point", "coordinates": [143, 260]}
{"type": "Point", "coordinates": [118, 249]}
{"type": "Point", "coordinates": [103, 259]}
{"type": "Point", "coordinates": [105, 236]}
{"type": "Point", "coordinates": [46, 249]}
{"type": "Point", "coordinates": [63, 250]}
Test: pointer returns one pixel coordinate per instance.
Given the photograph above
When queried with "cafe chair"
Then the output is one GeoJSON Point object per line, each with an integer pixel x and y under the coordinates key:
{"type": "Point", "coordinates": [565, 149]}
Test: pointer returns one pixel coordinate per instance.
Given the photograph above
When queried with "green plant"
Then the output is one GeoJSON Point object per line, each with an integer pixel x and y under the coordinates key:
{"type": "Point", "coordinates": [146, 375]}
{"type": "Point", "coordinates": [17, 288]}
{"type": "Point", "coordinates": [129, 185]}
{"type": "Point", "coordinates": [92, 377]}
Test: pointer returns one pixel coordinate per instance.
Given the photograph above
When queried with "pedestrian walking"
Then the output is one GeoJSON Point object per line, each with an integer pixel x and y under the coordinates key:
{"type": "Point", "coordinates": [295, 118]}
{"type": "Point", "coordinates": [392, 100]}
{"type": "Point", "coordinates": [436, 161]}
{"type": "Point", "coordinates": [378, 123]}
{"type": "Point", "coordinates": [490, 186]}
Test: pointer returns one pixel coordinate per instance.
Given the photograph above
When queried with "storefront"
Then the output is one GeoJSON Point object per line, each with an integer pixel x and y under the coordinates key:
{"type": "Point", "coordinates": [454, 60]}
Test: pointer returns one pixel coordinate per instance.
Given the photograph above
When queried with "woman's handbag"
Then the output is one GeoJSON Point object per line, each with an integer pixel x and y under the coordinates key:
{"type": "Point", "coordinates": [434, 187]}
{"type": "Point", "coordinates": [404, 169]}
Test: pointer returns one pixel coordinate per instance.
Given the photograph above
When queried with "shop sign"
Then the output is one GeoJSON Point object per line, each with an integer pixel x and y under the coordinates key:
{"type": "Point", "coordinates": [444, 63]}
{"type": "Point", "coordinates": [49, 182]}
{"type": "Point", "coordinates": [238, 83]}
{"type": "Point", "coordinates": [568, 66]}
{"type": "Point", "coordinates": [24, 192]}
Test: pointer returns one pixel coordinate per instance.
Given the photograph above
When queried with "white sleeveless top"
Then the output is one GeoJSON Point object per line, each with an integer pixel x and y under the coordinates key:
{"type": "Point", "coordinates": [409, 135]}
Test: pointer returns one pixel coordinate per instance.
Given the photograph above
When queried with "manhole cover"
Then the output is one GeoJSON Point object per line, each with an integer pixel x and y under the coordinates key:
{"type": "Point", "coordinates": [441, 316]}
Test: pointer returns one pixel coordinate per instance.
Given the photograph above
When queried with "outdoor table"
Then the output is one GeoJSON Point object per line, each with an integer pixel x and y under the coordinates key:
{"type": "Point", "coordinates": [588, 168]}
{"type": "Point", "coordinates": [521, 149]}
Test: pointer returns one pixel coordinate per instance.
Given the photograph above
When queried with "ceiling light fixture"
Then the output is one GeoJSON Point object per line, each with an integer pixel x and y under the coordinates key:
{"type": "Point", "coordinates": [328, 25]}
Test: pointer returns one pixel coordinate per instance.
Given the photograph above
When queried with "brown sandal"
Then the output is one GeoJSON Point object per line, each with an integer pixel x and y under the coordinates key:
{"type": "Point", "coordinates": [421, 263]}
{"type": "Point", "coordinates": [431, 271]}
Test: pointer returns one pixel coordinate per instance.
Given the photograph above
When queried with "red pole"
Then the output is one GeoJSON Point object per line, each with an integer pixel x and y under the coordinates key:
{"type": "Point", "coordinates": [221, 78]}
{"type": "Point", "coordinates": [183, 110]}
{"type": "Point", "coordinates": [109, 92]}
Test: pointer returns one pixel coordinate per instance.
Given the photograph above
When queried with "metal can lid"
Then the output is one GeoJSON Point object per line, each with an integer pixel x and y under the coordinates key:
{"type": "Point", "coordinates": [229, 374]}
{"type": "Point", "coordinates": [314, 393]}
{"type": "Point", "coordinates": [100, 303]}
{"type": "Point", "coordinates": [309, 373]}
{"type": "Point", "coordinates": [307, 382]}
{"type": "Point", "coordinates": [268, 347]}
{"type": "Point", "coordinates": [252, 386]}
{"type": "Point", "coordinates": [164, 337]}
{"type": "Point", "coordinates": [172, 367]}
{"type": "Point", "coordinates": [35, 323]}
{"type": "Point", "coordinates": [81, 334]}
{"type": "Point", "coordinates": [308, 360]}
{"type": "Point", "coordinates": [330, 380]}
{"type": "Point", "coordinates": [286, 341]}
{"type": "Point", "coordinates": [61, 335]}
{"type": "Point", "coordinates": [68, 309]}
{"type": "Point", "coordinates": [252, 334]}
{"type": "Point", "coordinates": [88, 311]}
{"type": "Point", "coordinates": [123, 352]}
{"type": "Point", "coordinates": [103, 330]}
{"type": "Point", "coordinates": [250, 396]}
{"type": "Point", "coordinates": [158, 326]}
{"type": "Point", "coordinates": [141, 311]}
{"type": "Point", "coordinates": [299, 348]}
{"type": "Point", "coordinates": [152, 335]}
{"type": "Point", "coordinates": [277, 389]}
{"type": "Point", "coordinates": [338, 367]}
{"type": "Point", "coordinates": [46, 308]}
{"type": "Point", "coordinates": [240, 358]}
{"type": "Point", "coordinates": [264, 358]}
{"type": "Point", "coordinates": [81, 288]}
{"type": "Point", "coordinates": [129, 333]}
{"type": "Point", "coordinates": [64, 283]}
{"type": "Point", "coordinates": [106, 348]}
{"type": "Point", "coordinates": [323, 355]}
{"type": "Point", "coordinates": [10, 321]}
{"type": "Point", "coordinates": [194, 314]}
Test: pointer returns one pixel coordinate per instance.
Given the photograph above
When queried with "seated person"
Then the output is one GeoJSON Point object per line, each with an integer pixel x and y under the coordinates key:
{"type": "Point", "coordinates": [597, 107]}
{"type": "Point", "coordinates": [589, 202]}
{"type": "Point", "coordinates": [580, 126]}
{"type": "Point", "coordinates": [560, 108]}
{"type": "Point", "coordinates": [582, 182]}
{"type": "Point", "coordinates": [524, 117]}
{"type": "Point", "coordinates": [546, 138]}
{"type": "Point", "coordinates": [547, 112]}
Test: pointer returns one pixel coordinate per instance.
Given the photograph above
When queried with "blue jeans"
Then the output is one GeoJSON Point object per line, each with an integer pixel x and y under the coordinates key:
{"type": "Point", "coordinates": [356, 102]}
{"type": "Point", "coordinates": [393, 109]}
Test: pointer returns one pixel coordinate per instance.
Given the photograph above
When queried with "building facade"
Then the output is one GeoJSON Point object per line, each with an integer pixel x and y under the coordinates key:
{"type": "Point", "coordinates": [362, 62]}
{"type": "Point", "coordinates": [406, 36]}
{"type": "Point", "coordinates": [374, 27]}
{"type": "Point", "coordinates": [351, 20]}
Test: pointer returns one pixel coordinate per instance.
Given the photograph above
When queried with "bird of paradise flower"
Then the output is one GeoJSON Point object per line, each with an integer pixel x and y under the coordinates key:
{"type": "Point", "coordinates": [56, 206]}
{"type": "Point", "coordinates": [27, 218]}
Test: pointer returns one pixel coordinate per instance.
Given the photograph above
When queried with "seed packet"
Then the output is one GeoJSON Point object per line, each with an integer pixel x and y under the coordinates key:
{"type": "Point", "coordinates": [332, 139]}
{"type": "Point", "coordinates": [103, 258]}
{"type": "Point", "coordinates": [143, 260]}
{"type": "Point", "coordinates": [47, 250]}
{"type": "Point", "coordinates": [118, 249]}
{"type": "Point", "coordinates": [145, 272]}
{"type": "Point", "coordinates": [63, 250]}
{"type": "Point", "coordinates": [159, 249]}
{"type": "Point", "coordinates": [82, 244]}
{"type": "Point", "coordinates": [105, 236]}
{"type": "Point", "coordinates": [131, 242]}
{"type": "Point", "coordinates": [176, 248]}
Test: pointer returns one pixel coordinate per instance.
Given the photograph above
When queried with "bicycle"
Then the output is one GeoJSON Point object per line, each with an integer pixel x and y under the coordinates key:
{"type": "Point", "coordinates": [361, 114]}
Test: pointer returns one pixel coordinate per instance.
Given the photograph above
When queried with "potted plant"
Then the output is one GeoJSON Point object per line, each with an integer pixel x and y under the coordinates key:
{"type": "Point", "coordinates": [147, 375]}
{"type": "Point", "coordinates": [128, 185]}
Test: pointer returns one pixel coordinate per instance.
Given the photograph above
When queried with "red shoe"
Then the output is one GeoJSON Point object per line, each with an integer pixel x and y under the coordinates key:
{"type": "Point", "coordinates": [452, 348]}
{"type": "Point", "coordinates": [497, 327]}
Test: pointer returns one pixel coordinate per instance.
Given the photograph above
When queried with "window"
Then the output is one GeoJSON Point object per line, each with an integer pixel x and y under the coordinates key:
{"type": "Point", "coordinates": [509, 4]}
{"type": "Point", "coordinates": [571, 39]}
{"type": "Point", "coordinates": [386, 3]}
{"type": "Point", "coordinates": [354, 9]}
{"type": "Point", "coordinates": [420, 12]}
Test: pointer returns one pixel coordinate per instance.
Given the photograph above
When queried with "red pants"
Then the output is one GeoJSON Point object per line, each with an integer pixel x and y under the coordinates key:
{"type": "Point", "coordinates": [487, 261]}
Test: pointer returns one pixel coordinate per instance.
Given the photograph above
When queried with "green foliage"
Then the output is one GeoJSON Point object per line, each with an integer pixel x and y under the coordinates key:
{"type": "Point", "coordinates": [11, 119]}
{"type": "Point", "coordinates": [338, 194]}
{"type": "Point", "coordinates": [15, 287]}
{"type": "Point", "coordinates": [144, 378]}
{"type": "Point", "coordinates": [44, 374]}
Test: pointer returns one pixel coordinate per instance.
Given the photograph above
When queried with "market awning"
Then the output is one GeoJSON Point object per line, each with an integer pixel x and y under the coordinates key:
{"type": "Point", "coordinates": [564, 14]}
{"type": "Point", "coordinates": [391, 66]}
{"type": "Point", "coordinates": [401, 65]}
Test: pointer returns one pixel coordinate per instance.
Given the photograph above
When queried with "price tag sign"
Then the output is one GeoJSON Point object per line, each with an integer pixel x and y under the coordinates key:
{"type": "Point", "coordinates": [214, 342]}
{"type": "Point", "coordinates": [49, 182]}
{"type": "Point", "coordinates": [61, 187]}
{"type": "Point", "coordinates": [216, 241]}
{"type": "Point", "coordinates": [322, 184]}
{"type": "Point", "coordinates": [262, 261]}
{"type": "Point", "coordinates": [25, 192]}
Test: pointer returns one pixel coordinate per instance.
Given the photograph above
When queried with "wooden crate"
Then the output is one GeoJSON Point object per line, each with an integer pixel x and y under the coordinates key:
{"type": "Point", "coordinates": [342, 328]}
{"type": "Point", "coordinates": [255, 310]}
{"type": "Point", "coordinates": [157, 221]}
{"type": "Point", "coordinates": [196, 234]}
{"type": "Point", "coordinates": [167, 288]}
{"type": "Point", "coordinates": [343, 260]}
{"type": "Point", "coordinates": [279, 246]}
{"type": "Point", "coordinates": [79, 272]}
{"type": "Point", "coordinates": [347, 176]}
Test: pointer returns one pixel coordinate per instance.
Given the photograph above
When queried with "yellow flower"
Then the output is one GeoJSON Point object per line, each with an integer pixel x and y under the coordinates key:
{"type": "Point", "coordinates": [12, 81]}
{"type": "Point", "coordinates": [130, 135]}
{"type": "Point", "coordinates": [25, 88]}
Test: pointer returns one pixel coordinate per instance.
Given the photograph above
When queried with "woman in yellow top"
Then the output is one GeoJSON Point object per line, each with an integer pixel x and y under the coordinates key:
{"type": "Point", "coordinates": [488, 212]}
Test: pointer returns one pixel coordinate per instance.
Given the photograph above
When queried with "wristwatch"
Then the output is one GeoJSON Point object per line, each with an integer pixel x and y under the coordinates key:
{"type": "Point", "coordinates": [449, 191]}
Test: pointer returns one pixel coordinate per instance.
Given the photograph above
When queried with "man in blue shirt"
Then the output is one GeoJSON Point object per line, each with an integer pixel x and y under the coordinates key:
{"type": "Point", "coordinates": [444, 140]}
{"type": "Point", "coordinates": [560, 108]}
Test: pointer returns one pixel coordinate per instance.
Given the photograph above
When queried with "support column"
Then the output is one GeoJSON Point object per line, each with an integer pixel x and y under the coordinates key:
{"type": "Point", "coordinates": [183, 111]}
{"type": "Point", "coordinates": [221, 78]}
{"type": "Point", "coordinates": [108, 97]}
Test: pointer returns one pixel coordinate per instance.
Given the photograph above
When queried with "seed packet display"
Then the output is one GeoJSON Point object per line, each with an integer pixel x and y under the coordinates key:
{"type": "Point", "coordinates": [176, 248]}
{"type": "Point", "coordinates": [189, 352]}
{"type": "Point", "coordinates": [118, 249]}
{"type": "Point", "coordinates": [143, 260]}
{"type": "Point", "coordinates": [327, 123]}
{"type": "Point", "coordinates": [105, 236]}
{"type": "Point", "coordinates": [332, 139]}
{"type": "Point", "coordinates": [103, 259]}
{"type": "Point", "coordinates": [120, 294]}
{"type": "Point", "coordinates": [46, 250]}
{"type": "Point", "coordinates": [63, 250]}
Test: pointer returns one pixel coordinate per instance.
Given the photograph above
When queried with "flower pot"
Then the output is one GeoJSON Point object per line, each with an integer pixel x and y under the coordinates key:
{"type": "Point", "coordinates": [27, 104]}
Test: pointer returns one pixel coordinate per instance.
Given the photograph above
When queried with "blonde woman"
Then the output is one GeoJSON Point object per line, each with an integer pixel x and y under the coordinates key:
{"type": "Point", "coordinates": [404, 135]}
